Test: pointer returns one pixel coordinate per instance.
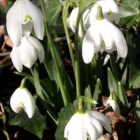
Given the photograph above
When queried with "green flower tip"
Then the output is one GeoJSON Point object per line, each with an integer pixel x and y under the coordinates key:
{"type": "Point", "coordinates": [27, 17]}
{"type": "Point", "coordinates": [99, 13]}
{"type": "Point", "coordinates": [22, 85]}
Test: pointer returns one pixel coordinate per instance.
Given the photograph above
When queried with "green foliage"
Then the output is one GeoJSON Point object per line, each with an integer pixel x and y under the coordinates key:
{"type": "Point", "coordinates": [134, 80]}
{"type": "Point", "coordinates": [35, 125]}
{"type": "Point", "coordinates": [53, 11]}
{"type": "Point", "coordinates": [64, 116]}
{"type": "Point", "coordinates": [112, 84]}
{"type": "Point", "coordinates": [129, 12]}
{"type": "Point", "coordinates": [96, 91]}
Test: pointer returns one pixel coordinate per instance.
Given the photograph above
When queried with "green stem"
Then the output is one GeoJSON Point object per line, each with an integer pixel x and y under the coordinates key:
{"type": "Point", "coordinates": [64, 16]}
{"type": "Point", "coordinates": [6, 135]}
{"type": "Point", "coordinates": [81, 109]}
{"type": "Point", "coordinates": [77, 59]}
{"type": "Point", "coordinates": [65, 96]}
{"type": "Point", "coordinates": [22, 85]}
{"type": "Point", "coordinates": [95, 66]}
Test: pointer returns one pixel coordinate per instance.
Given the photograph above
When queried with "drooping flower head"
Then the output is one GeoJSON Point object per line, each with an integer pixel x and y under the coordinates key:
{"type": "Point", "coordinates": [71, 21]}
{"type": "Point", "coordinates": [27, 53]}
{"type": "Point", "coordinates": [102, 34]}
{"type": "Point", "coordinates": [21, 17]}
{"type": "Point", "coordinates": [86, 125]}
{"type": "Point", "coordinates": [22, 99]}
{"type": "Point", "coordinates": [110, 11]}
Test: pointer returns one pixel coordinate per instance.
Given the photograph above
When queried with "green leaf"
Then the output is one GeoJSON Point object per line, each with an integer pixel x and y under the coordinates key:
{"type": "Point", "coordinates": [134, 79]}
{"type": "Point", "coordinates": [112, 83]}
{"type": "Point", "coordinates": [96, 92]}
{"type": "Point", "coordinates": [35, 125]}
{"type": "Point", "coordinates": [129, 12]}
{"type": "Point", "coordinates": [64, 117]}
{"type": "Point", "coordinates": [53, 11]}
{"type": "Point", "coordinates": [30, 77]}
{"type": "Point", "coordinates": [87, 105]}
{"type": "Point", "coordinates": [38, 86]}
{"type": "Point", "coordinates": [123, 101]}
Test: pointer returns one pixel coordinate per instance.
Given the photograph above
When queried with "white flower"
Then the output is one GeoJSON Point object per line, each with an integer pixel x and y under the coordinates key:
{"type": "Point", "coordinates": [102, 34]}
{"type": "Point", "coordinates": [27, 53]}
{"type": "Point", "coordinates": [20, 19]}
{"type": "Point", "coordinates": [71, 21]}
{"type": "Point", "coordinates": [87, 125]}
{"type": "Point", "coordinates": [114, 105]}
{"type": "Point", "coordinates": [22, 98]}
{"type": "Point", "coordinates": [110, 11]}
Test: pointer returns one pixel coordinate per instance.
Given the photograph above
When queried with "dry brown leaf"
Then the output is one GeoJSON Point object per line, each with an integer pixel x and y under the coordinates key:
{"type": "Point", "coordinates": [2, 31]}
{"type": "Point", "coordinates": [3, 3]}
{"type": "Point", "coordinates": [106, 137]}
{"type": "Point", "coordinates": [8, 41]}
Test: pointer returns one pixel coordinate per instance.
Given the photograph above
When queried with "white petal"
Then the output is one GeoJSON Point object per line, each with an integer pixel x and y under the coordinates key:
{"type": "Point", "coordinates": [114, 8]}
{"type": "Point", "coordinates": [15, 99]}
{"type": "Point", "coordinates": [114, 105]}
{"type": "Point", "coordinates": [118, 39]}
{"type": "Point", "coordinates": [95, 123]}
{"type": "Point", "coordinates": [29, 103]}
{"type": "Point", "coordinates": [78, 131]}
{"type": "Point", "coordinates": [67, 128]}
{"type": "Point", "coordinates": [73, 18]}
{"type": "Point", "coordinates": [86, 16]}
{"type": "Point", "coordinates": [87, 48]}
{"type": "Point", "coordinates": [13, 24]}
{"type": "Point", "coordinates": [108, 41]}
{"type": "Point", "coordinates": [111, 49]}
{"type": "Point", "coordinates": [91, 131]}
{"type": "Point", "coordinates": [102, 119]}
{"type": "Point", "coordinates": [15, 56]}
{"type": "Point", "coordinates": [24, 11]}
{"type": "Point", "coordinates": [28, 54]}
{"type": "Point", "coordinates": [26, 28]}
{"type": "Point", "coordinates": [38, 46]}
{"type": "Point", "coordinates": [70, 125]}
{"type": "Point", "coordinates": [37, 18]}
{"type": "Point", "coordinates": [91, 40]}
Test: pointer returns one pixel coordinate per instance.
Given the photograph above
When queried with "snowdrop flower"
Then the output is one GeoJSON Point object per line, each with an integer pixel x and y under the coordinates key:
{"type": "Point", "coordinates": [20, 19]}
{"type": "Point", "coordinates": [102, 34]}
{"type": "Point", "coordinates": [110, 11]}
{"type": "Point", "coordinates": [114, 105]}
{"type": "Point", "coordinates": [71, 21]}
{"type": "Point", "coordinates": [27, 53]}
{"type": "Point", "coordinates": [86, 125]}
{"type": "Point", "coordinates": [22, 98]}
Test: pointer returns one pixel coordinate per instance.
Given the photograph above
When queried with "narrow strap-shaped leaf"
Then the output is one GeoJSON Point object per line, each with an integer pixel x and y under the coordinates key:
{"type": "Point", "coordinates": [113, 87]}
{"type": "Point", "coordinates": [37, 84]}
{"type": "Point", "coordinates": [123, 100]}
{"type": "Point", "coordinates": [87, 105]}
{"type": "Point", "coordinates": [96, 91]}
